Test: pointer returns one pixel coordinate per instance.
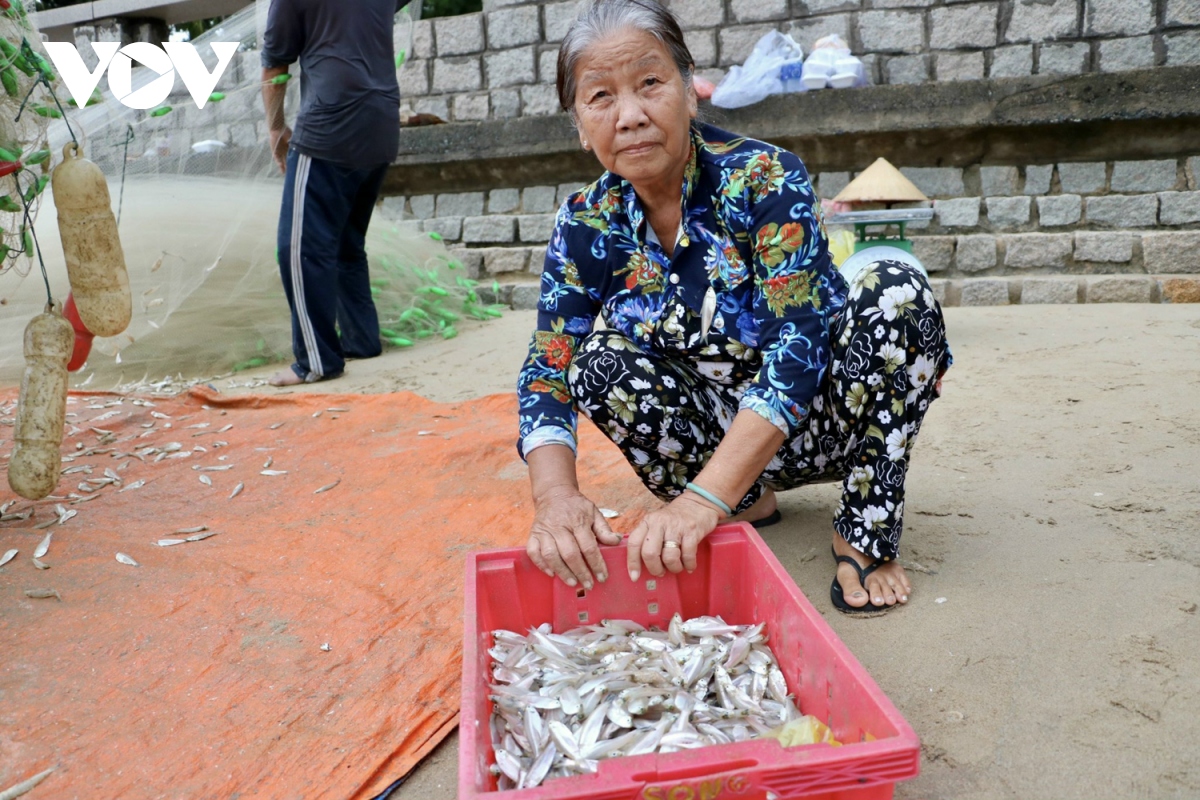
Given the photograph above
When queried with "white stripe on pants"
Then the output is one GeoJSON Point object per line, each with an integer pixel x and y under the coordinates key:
{"type": "Point", "coordinates": [315, 368]}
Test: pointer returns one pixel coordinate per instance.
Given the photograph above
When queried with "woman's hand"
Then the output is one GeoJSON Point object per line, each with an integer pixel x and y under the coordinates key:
{"type": "Point", "coordinates": [684, 522]}
{"type": "Point", "coordinates": [563, 540]}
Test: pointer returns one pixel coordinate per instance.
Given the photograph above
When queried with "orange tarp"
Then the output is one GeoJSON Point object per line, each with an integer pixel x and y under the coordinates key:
{"type": "Point", "coordinates": [201, 673]}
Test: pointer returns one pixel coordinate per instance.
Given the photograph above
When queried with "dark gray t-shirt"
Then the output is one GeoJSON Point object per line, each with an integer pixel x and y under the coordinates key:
{"type": "Point", "coordinates": [349, 99]}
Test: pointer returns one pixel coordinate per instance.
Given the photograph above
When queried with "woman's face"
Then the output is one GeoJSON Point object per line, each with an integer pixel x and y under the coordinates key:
{"type": "Point", "coordinates": [633, 107]}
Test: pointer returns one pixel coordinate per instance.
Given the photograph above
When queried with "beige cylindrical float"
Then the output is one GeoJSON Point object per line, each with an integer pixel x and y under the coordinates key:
{"type": "Point", "coordinates": [95, 260]}
{"type": "Point", "coordinates": [36, 464]}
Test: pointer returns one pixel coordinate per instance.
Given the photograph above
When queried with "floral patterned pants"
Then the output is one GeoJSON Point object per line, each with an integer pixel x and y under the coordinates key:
{"type": "Point", "coordinates": [667, 414]}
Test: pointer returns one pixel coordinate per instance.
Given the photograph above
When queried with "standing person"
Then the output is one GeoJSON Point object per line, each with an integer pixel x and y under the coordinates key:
{"type": "Point", "coordinates": [347, 133]}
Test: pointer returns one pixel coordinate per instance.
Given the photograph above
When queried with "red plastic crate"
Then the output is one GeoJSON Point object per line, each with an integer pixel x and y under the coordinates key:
{"type": "Point", "coordinates": [738, 578]}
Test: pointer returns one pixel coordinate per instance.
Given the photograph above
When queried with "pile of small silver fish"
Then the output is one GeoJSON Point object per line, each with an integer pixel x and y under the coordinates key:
{"type": "Point", "coordinates": [563, 701]}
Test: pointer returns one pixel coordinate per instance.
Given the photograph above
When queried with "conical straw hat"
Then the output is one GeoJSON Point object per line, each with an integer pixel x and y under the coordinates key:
{"type": "Point", "coordinates": [880, 183]}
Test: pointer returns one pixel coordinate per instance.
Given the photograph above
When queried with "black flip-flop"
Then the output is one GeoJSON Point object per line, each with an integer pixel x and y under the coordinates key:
{"type": "Point", "coordinates": [770, 519]}
{"type": "Point", "coordinates": [838, 598]}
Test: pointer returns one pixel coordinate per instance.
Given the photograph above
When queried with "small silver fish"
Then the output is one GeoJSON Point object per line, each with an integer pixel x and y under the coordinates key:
{"type": "Point", "coordinates": [40, 564]}
{"type": "Point", "coordinates": [42, 594]}
{"type": "Point", "coordinates": [328, 486]}
{"type": "Point", "coordinates": [44, 547]}
{"type": "Point", "coordinates": [563, 739]}
{"type": "Point", "coordinates": [267, 464]}
{"type": "Point", "coordinates": [194, 529]}
{"type": "Point", "coordinates": [237, 490]}
{"type": "Point", "coordinates": [277, 426]}
{"type": "Point", "coordinates": [128, 560]}
{"type": "Point", "coordinates": [207, 481]}
{"type": "Point", "coordinates": [540, 768]}
{"type": "Point", "coordinates": [169, 542]}
{"type": "Point", "coordinates": [708, 310]}
{"type": "Point", "coordinates": [617, 689]}
{"type": "Point", "coordinates": [508, 765]}
{"type": "Point", "coordinates": [130, 486]}
{"type": "Point", "coordinates": [273, 472]}
{"type": "Point", "coordinates": [9, 556]}
{"type": "Point", "coordinates": [199, 537]}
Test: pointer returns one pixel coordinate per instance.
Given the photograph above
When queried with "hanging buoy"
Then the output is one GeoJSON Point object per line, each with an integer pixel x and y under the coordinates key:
{"type": "Point", "coordinates": [34, 468]}
{"type": "Point", "coordinates": [83, 337]}
{"type": "Point", "coordinates": [95, 260]}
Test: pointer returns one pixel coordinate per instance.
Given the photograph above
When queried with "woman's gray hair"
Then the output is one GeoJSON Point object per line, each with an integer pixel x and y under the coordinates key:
{"type": "Point", "coordinates": [601, 18]}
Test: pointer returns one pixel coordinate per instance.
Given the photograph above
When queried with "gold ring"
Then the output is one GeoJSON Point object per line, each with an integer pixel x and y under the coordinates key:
{"type": "Point", "coordinates": [670, 544]}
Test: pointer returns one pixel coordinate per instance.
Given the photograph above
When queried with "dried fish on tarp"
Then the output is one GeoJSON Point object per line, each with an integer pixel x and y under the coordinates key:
{"type": "Point", "coordinates": [196, 537]}
{"type": "Point", "coordinates": [563, 701]}
{"type": "Point", "coordinates": [124, 559]}
{"type": "Point", "coordinates": [43, 547]}
{"type": "Point", "coordinates": [15, 791]}
{"type": "Point", "coordinates": [328, 486]}
{"type": "Point", "coordinates": [9, 556]}
{"type": "Point", "coordinates": [43, 594]}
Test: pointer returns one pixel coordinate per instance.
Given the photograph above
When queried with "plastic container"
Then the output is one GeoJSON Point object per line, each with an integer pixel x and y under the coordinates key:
{"type": "Point", "coordinates": [790, 76]}
{"type": "Point", "coordinates": [739, 578]}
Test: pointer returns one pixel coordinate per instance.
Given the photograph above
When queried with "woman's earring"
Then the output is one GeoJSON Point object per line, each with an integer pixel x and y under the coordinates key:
{"type": "Point", "coordinates": [585, 144]}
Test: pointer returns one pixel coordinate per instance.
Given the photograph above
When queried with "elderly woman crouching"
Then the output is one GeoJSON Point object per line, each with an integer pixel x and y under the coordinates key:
{"type": "Point", "coordinates": [736, 361]}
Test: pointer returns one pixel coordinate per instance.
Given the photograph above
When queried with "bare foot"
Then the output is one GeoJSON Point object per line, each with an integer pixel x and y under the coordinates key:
{"type": "Point", "coordinates": [286, 377]}
{"type": "Point", "coordinates": [887, 585]}
{"type": "Point", "coordinates": [763, 507]}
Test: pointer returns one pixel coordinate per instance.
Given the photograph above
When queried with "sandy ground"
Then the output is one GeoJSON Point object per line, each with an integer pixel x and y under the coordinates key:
{"type": "Point", "coordinates": [1049, 649]}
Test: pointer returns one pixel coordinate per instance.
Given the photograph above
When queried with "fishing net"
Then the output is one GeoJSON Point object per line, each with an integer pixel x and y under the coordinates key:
{"type": "Point", "coordinates": [26, 108]}
{"type": "Point", "coordinates": [197, 197]}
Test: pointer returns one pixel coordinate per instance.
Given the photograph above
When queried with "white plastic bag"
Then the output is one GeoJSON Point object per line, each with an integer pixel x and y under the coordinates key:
{"type": "Point", "coordinates": [758, 78]}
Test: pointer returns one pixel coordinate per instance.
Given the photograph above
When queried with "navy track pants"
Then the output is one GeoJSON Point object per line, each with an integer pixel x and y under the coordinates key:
{"type": "Point", "coordinates": [322, 260]}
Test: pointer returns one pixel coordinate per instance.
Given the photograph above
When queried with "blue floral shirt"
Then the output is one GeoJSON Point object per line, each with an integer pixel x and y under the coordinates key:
{"type": "Point", "coordinates": [751, 232]}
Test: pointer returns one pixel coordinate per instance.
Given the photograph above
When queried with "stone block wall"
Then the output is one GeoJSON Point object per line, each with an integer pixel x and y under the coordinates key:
{"type": "Point", "coordinates": [499, 234]}
{"type": "Point", "coordinates": [500, 63]}
{"type": "Point", "coordinates": [1139, 217]}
